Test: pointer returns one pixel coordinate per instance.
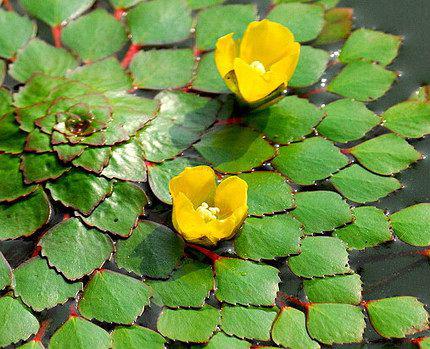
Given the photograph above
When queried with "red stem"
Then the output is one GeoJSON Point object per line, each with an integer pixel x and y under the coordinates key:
{"type": "Point", "coordinates": [294, 300]}
{"type": "Point", "coordinates": [56, 34]}
{"type": "Point", "coordinates": [313, 92]}
{"type": "Point", "coordinates": [345, 151]}
{"type": "Point", "coordinates": [425, 253]}
{"type": "Point", "coordinates": [36, 251]}
{"type": "Point", "coordinates": [211, 255]}
{"type": "Point", "coordinates": [119, 13]}
{"type": "Point", "coordinates": [72, 311]}
{"type": "Point", "coordinates": [230, 121]}
{"type": "Point", "coordinates": [8, 5]}
{"type": "Point", "coordinates": [132, 51]}
{"type": "Point", "coordinates": [42, 329]}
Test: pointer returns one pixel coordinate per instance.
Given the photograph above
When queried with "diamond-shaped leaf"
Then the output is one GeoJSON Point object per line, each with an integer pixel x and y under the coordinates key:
{"type": "Point", "coordinates": [188, 325]}
{"type": "Point", "coordinates": [41, 287]}
{"type": "Point", "coordinates": [35, 208]}
{"type": "Point", "coordinates": [38, 168]}
{"type": "Point", "coordinates": [331, 323]}
{"type": "Point", "coordinates": [343, 112]}
{"type": "Point", "coordinates": [397, 317]}
{"type": "Point", "coordinates": [268, 237]}
{"type": "Point", "coordinates": [17, 323]}
{"type": "Point", "coordinates": [247, 322]}
{"type": "Point", "coordinates": [320, 256]}
{"type": "Point", "coordinates": [308, 161]}
{"type": "Point", "coordinates": [370, 45]}
{"type": "Point", "coordinates": [93, 159]}
{"type": "Point", "coordinates": [234, 149]}
{"type": "Point", "coordinates": [412, 224]}
{"type": "Point", "coordinates": [268, 192]}
{"type": "Point", "coordinates": [159, 22]}
{"type": "Point", "coordinates": [79, 333]}
{"type": "Point", "coordinates": [321, 211]}
{"type": "Point", "coordinates": [75, 250]}
{"type": "Point", "coordinates": [38, 142]}
{"type": "Point", "coordinates": [338, 24]}
{"type": "Point", "coordinates": [187, 287]}
{"type": "Point", "coordinates": [198, 4]}
{"type": "Point", "coordinates": [5, 101]}
{"type": "Point", "coordinates": [335, 289]}
{"type": "Point", "coordinates": [5, 273]}
{"type": "Point", "coordinates": [370, 228]}
{"type": "Point", "coordinates": [12, 139]}
{"type": "Point", "coordinates": [152, 250]}
{"type": "Point", "coordinates": [360, 185]}
{"type": "Point", "coordinates": [124, 4]}
{"type": "Point", "coordinates": [136, 337]}
{"type": "Point", "coordinates": [289, 330]}
{"type": "Point", "coordinates": [113, 297]}
{"type": "Point", "coordinates": [311, 66]}
{"type": "Point", "coordinates": [96, 27]}
{"type": "Point", "coordinates": [289, 120]}
{"type": "Point", "coordinates": [244, 282]}
{"type": "Point", "coordinates": [207, 77]}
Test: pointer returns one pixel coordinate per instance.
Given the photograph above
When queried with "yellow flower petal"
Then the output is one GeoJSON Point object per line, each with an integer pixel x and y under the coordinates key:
{"type": "Point", "coordinates": [185, 219]}
{"type": "Point", "coordinates": [253, 85]}
{"type": "Point", "coordinates": [285, 67]}
{"type": "Point", "coordinates": [225, 53]}
{"type": "Point", "coordinates": [265, 41]}
{"type": "Point", "coordinates": [197, 183]}
{"type": "Point", "coordinates": [231, 194]}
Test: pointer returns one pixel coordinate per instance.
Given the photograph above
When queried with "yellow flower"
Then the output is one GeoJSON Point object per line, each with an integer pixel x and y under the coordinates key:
{"type": "Point", "coordinates": [259, 64]}
{"type": "Point", "coordinates": [203, 212]}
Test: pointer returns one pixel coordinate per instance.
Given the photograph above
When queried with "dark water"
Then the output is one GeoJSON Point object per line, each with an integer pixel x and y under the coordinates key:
{"type": "Point", "coordinates": [391, 269]}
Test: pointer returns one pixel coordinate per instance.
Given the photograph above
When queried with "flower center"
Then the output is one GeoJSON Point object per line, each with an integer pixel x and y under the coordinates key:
{"type": "Point", "coordinates": [207, 213]}
{"type": "Point", "coordinates": [257, 65]}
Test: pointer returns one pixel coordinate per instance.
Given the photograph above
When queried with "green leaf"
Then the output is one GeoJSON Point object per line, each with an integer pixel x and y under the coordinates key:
{"type": "Point", "coordinates": [234, 149]}
{"type": "Point", "coordinates": [188, 325]}
{"type": "Point", "coordinates": [182, 119]}
{"type": "Point", "coordinates": [15, 32]}
{"type": "Point", "coordinates": [289, 330]}
{"type": "Point", "coordinates": [160, 175]}
{"type": "Point", "coordinates": [5, 273]}
{"type": "Point", "coordinates": [221, 340]}
{"type": "Point", "coordinates": [268, 192]}
{"type": "Point", "coordinates": [36, 210]}
{"type": "Point", "coordinates": [331, 323]}
{"type": "Point", "coordinates": [311, 66]}
{"type": "Point", "coordinates": [198, 4]}
{"type": "Point", "coordinates": [338, 25]}
{"type": "Point", "coordinates": [33, 344]}
{"type": "Point", "coordinates": [397, 317]}
{"type": "Point", "coordinates": [159, 22]}
{"type": "Point", "coordinates": [363, 81]}
{"type": "Point", "coordinates": [40, 287]}
{"type": "Point", "coordinates": [360, 185]}
{"type": "Point", "coordinates": [54, 12]}
{"type": "Point", "coordinates": [320, 256]}
{"type": "Point", "coordinates": [75, 250]}
{"type": "Point", "coordinates": [2, 71]}
{"type": "Point", "coordinates": [408, 119]}
{"type": "Point", "coordinates": [308, 161]}
{"type": "Point", "coordinates": [40, 57]}
{"type": "Point", "coordinates": [321, 211]}
{"type": "Point", "coordinates": [245, 282]}
{"type": "Point", "coordinates": [93, 159]}
{"type": "Point", "coordinates": [421, 94]}
{"type": "Point", "coordinates": [370, 228]}
{"type": "Point", "coordinates": [123, 4]}
{"type": "Point", "coordinates": [247, 322]}
{"type": "Point", "coordinates": [38, 142]}
{"type": "Point", "coordinates": [113, 297]}
{"type": "Point", "coordinates": [217, 21]}
{"type": "Point", "coordinates": [187, 287]}
{"type": "Point", "coordinates": [67, 153]}
{"type": "Point", "coordinates": [268, 237]}
{"type": "Point", "coordinates": [12, 139]}
{"type": "Point", "coordinates": [207, 77]}
{"type": "Point", "coordinates": [335, 289]}
{"type": "Point", "coordinates": [17, 323]}
{"type": "Point", "coordinates": [39, 168]}
{"type": "Point", "coordinates": [354, 114]}
{"type": "Point", "coordinates": [161, 69]}
{"type": "Point", "coordinates": [136, 337]}
{"type": "Point", "coordinates": [96, 27]}
{"type": "Point", "coordinates": [80, 190]}
{"type": "Point", "coordinates": [152, 250]}
{"type": "Point", "coordinates": [305, 20]}
{"type": "Point", "coordinates": [289, 120]}
{"type": "Point", "coordinates": [104, 75]}
{"type": "Point", "coordinates": [370, 45]}
{"type": "Point", "coordinates": [79, 333]}
{"type": "Point", "coordinates": [119, 213]}
{"type": "Point", "coordinates": [5, 101]}
{"type": "Point", "coordinates": [386, 154]}
{"type": "Point", "coordinates": [12, 185]}
{"type": "Point", "coordinates": [412, 224]}
{"type": "Point", "coordinates": [127, 163]}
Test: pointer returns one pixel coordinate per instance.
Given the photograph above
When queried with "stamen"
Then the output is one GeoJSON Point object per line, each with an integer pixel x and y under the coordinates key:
{"type": "Point", "coordinates": [257, 65]}
{"type": "Point", "coordinates": [208, 213]}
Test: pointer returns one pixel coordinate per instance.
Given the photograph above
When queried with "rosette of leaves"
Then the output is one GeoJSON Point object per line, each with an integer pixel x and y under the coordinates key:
{"type": "Point", "coordinates": [86, 139]}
